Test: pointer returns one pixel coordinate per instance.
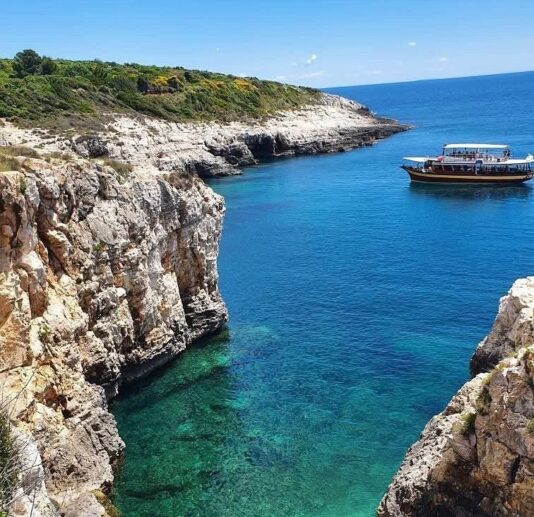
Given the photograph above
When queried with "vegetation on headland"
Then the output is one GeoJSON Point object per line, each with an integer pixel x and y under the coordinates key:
{"type": "Point", "coordinates": [60, 93]}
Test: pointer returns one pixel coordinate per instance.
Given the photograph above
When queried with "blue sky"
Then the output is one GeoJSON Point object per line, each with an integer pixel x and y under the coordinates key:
{"type": "Point", "coordinates": [317, 43]}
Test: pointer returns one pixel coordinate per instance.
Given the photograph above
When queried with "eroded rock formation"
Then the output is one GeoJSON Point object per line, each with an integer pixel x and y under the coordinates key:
{"type": "Point", "coordinates": [476, 458]}
{"type": "Point", "coordinates": [216, 149]}
{"type": "Point", "coordinates": [100, 282]}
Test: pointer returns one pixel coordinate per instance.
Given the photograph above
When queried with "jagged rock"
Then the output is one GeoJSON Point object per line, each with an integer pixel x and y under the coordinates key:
{"type": "Point", "coordinates": [86, 505]}
{"type": "Point", "coordinates": [90, 146]}
{"type": "Point", "coordinates": [513, 328]}
{"type": "Point", "coordinates": [100, 282]}
{"type": "Point", "coordinates": [476, 458]}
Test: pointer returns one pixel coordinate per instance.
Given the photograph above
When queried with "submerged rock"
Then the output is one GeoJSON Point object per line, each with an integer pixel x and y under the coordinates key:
{"type": "Point", "coordinates": [476, 458]}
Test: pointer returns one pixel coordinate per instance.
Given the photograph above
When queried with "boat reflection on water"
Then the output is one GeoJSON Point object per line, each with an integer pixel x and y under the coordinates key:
{"type": "Point", "coordinates": [471, 191]}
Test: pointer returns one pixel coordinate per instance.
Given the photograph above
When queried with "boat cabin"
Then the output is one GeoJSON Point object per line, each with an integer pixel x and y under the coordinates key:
{"type": "Point", "coordinates": [485, 152]}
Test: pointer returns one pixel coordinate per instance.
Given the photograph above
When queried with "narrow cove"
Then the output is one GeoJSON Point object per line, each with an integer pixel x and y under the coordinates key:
{"type": "Point", "coordinates": [355, 299]}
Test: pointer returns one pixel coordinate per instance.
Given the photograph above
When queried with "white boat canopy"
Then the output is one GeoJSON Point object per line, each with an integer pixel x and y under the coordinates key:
{"type": "Point", "coordinates": [475, 146]}
{"type": "Point", "coordinates": [417, 159]}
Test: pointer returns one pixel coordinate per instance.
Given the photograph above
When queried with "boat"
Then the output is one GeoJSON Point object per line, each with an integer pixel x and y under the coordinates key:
{"type": "Point", "coordinates": [470, 163]}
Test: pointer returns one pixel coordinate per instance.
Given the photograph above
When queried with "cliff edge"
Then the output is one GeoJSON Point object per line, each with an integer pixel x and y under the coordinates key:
{"type": "Point", "coordinates": [100, 282]}
{"type": "Point", "coordinates": [476, 458]}
{"type": "Point", "coordinates": [330, 124]}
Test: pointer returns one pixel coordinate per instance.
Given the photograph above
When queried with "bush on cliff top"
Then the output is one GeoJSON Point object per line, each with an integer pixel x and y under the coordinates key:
{"type": "Point", "coordinates": [49, 92]}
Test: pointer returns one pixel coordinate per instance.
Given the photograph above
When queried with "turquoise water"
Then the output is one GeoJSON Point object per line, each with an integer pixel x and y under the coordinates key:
{"type": "Point", "coordinates": [356, 300]}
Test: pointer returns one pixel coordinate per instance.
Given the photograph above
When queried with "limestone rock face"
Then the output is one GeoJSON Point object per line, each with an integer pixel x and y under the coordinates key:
{"type": "Point", "coordinates": [476, 458]}
{"type": "Point", "coordinates": [513, 328]}
{"type": "Point", "coordinates": [100, 282]}
{"type": "Point", "coordinates": [216, 149]}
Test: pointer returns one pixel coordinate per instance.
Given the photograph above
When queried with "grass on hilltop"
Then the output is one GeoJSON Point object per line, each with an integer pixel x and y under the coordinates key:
{"type": "Point", "coordinates": [60, 93]}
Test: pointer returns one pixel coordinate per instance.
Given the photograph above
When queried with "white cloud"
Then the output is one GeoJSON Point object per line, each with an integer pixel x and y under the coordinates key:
{"type": "Point", "coordinates": [412, 44]}
{"type": "Point", "coordinates": [443, 59]}
{"type": "Point", "coordinates": [280, 77]}
{"type": "Point", "coordinates": [311, 59]}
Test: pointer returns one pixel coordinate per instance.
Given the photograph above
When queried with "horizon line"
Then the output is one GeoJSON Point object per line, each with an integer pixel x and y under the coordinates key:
{"type": "Point", "coordinates": [426, 80]}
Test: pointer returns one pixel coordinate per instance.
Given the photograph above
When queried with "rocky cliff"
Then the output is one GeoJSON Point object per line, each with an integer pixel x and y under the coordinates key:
{"type": "Point", "coordinates": [476, 458]}
{"type": "Point", "coordinates": [100, 282]}
{"type": "Point", "coordinates": [108, 269]}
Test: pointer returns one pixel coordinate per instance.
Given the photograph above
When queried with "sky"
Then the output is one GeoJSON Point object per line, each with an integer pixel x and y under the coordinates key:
{"type": "Point", "coordinates": [308, 42]}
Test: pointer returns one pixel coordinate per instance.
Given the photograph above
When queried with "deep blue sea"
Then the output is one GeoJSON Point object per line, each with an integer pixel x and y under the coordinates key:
{"type": "Point", "coordinates": [356, 300]}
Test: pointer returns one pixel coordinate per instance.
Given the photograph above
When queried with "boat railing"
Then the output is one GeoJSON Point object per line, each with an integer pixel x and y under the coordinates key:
{"type": "Point", "coordinates": [487, 158]}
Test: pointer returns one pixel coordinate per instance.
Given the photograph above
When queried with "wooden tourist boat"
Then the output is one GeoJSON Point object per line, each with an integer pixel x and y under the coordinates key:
{"type": "Point", "coordinates": [470, 163]}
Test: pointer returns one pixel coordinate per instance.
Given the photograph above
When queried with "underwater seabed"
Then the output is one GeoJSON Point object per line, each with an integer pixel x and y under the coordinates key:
{"type": "Point", "coordinates": [356, 300]}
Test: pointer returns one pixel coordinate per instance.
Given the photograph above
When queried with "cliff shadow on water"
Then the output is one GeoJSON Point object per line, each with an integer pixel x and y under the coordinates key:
{"type": "Point", "coordinates": [166, 416]}
{"type": "Point", "coordinates": [188, 448]}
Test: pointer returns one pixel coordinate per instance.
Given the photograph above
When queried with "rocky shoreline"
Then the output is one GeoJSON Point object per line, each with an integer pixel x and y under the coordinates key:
{"type": "Point", "coordinates": [215, 149]}
{"type": "Point", "coordinates": [476, 458]}
{"type": "Point", "coordinates": [108, 268]}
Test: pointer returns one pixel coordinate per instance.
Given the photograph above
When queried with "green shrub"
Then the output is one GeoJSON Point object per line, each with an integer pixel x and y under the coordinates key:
{"type": "Point", "coordinates": [483, 401]}
{"type": "Point", "coordinates": [123, 169]}
{"type": "Point", "coordinates": [48, 66]}
{"type": "Point", "coordinates": [18, 150]}
{"type": "Point", "coordinates": [100, 246]}
{"type": "Point", "coordinates": [9, 164]}
{"type": "Point", "coordinates": [58, 155]}
{"type": "Point", "coordinates": [465, 424]}
{"type": "Point", "coordinates": [60, 93]}
{"type": "Point", "coordinates": [530, 426]}
{"type": "Point", "coordinates": [23, 185]}
{"type": "Point", "coordinates": [45, 333]}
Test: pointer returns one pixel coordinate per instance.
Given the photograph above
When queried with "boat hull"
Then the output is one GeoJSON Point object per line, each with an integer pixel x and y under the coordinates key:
{"type": "Point", "coordinates": [432, 177]}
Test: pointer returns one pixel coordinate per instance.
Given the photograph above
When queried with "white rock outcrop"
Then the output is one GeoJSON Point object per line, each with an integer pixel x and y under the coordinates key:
{"type": "Point", "coordinates": [100, 282]}
{"type": "Point", "coordinates": [216, 149]}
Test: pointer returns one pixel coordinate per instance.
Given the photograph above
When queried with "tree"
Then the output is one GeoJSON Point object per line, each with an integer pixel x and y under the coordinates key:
{"type": "Point", "coordinates": [48, 67]}
{"type": "Point", "coordinates": [27, 62]}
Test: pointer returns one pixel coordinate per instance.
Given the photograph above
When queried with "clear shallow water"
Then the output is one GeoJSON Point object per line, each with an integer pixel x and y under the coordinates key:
{"type": "Point", "coordinates": [356, 300]}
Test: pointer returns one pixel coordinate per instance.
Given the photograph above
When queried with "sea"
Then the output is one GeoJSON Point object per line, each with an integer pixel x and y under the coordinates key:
{"type": "Point", "coordinates": [356, 300]}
